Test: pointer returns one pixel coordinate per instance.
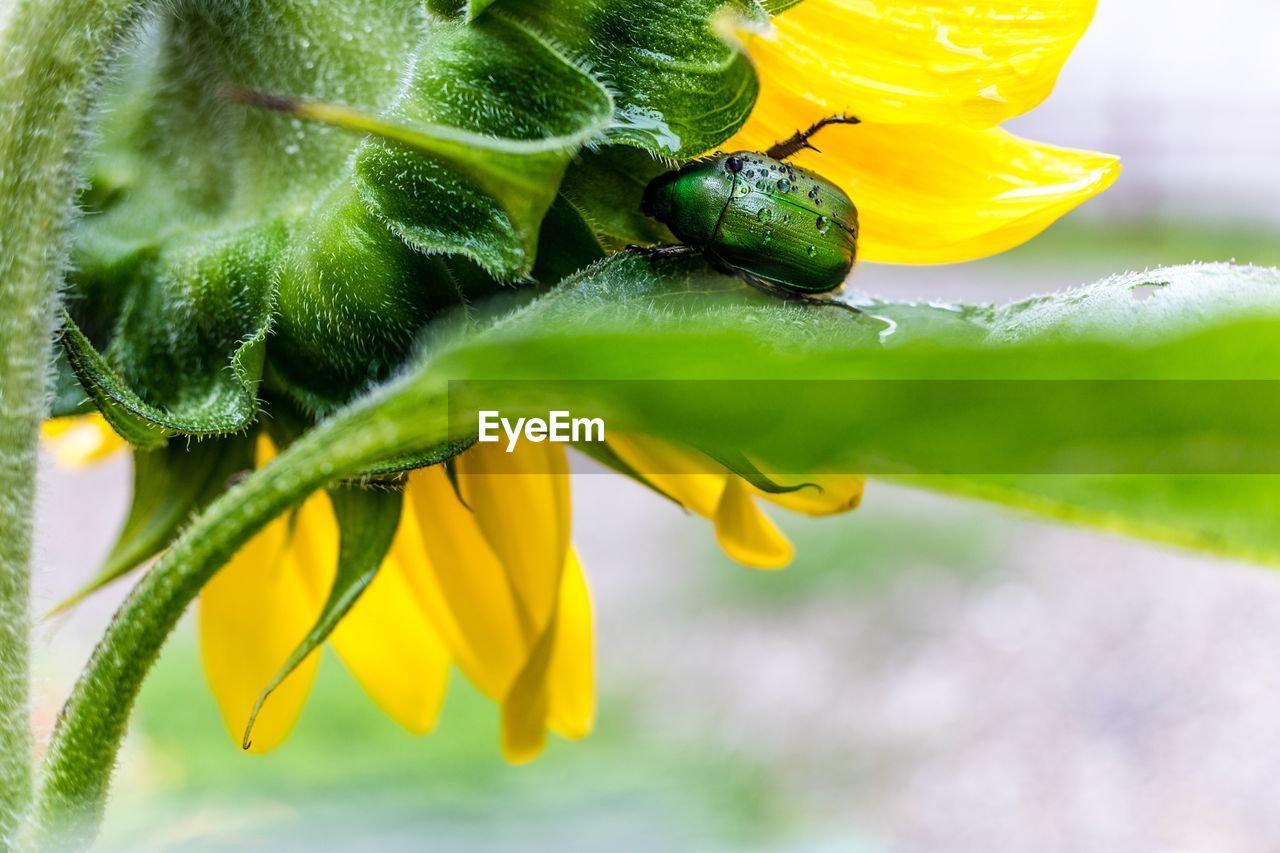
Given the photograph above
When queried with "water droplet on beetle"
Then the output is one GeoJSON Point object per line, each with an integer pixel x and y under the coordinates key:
{"type": "Point", "coordinates": [784, 185]}
{"type": "Point", "coordinates": [744, 189]}
{"type": "Point", "coordinates": [823, 225]}
{"type": "Point", "coordinates": [812, 250]}
{"type": "Point", "coordinates": [767, 236]}
{"type": "Point", "coordinates": [765, 214]}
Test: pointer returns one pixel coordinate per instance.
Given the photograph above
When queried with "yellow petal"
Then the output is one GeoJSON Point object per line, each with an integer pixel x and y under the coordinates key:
{"type": "Point", "coordinates": [745, 533]}
{"type": "Point", "coordinates": [253, 614]}
{"type": "Point", "coordinates": [556, 685]}
{"type": "Point", "coordinates": [524, 708]}
{"type": "Point", "coordinates": [839, 493]}
{"type": "Point", "coordinates": [79, 441]}
{"type": "Point", "coordinates": [391, 647]}
{"type": "Point", "coordinates": [521, 502]}
{"type": "Point", "coordinates": [460, 583]}
{"type": "Point", "coordinates": [931, 195]}
{"type": "Point", "coordinates": [313, 544]}
{"type": "Point", "coordinates": [572, 706]}
{"type": "Point", "coordinates": [687, 477]}
{"type": "Point", "coordinates": [913, 61]}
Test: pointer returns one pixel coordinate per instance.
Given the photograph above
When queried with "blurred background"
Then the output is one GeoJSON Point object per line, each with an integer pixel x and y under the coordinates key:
{"type": "Point", "coordinates": [930, 675]}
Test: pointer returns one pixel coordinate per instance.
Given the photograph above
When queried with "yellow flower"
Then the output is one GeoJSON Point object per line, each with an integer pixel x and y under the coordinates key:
{"type": "Point", "coordinates": [481, 573]}
{"type": "Point", "coordinates": [934, 179]}
{"type": "Point", "coordinates": [491, 584]}
{"type": "Point", "coordinates": [76, 442]}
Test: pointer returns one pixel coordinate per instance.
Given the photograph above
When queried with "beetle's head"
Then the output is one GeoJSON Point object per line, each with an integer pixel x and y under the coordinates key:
{"type": "Point", "coordinates": [659, 199]}
{"type": "Point", "coordinates": [701, 186]}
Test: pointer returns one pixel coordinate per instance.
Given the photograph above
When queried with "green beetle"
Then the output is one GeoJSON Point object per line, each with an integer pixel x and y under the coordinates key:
{"type": "Point", "coordinates": [780, 228]}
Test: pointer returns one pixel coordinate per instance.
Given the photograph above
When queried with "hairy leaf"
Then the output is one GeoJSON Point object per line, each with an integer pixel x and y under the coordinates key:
{"type": "Point", "coordinates": [1149, 415]}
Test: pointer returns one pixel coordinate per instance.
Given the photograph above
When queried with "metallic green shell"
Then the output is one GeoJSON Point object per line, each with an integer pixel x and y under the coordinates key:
{"type": "Point", "coordinates": [786, 225]}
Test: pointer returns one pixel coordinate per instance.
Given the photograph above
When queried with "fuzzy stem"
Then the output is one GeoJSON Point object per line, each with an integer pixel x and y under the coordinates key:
{"type": "Point", "coordinates": [51, 54]}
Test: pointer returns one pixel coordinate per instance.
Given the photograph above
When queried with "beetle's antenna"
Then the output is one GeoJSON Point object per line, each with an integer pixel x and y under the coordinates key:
{"type": "Point", "coordinates": [800, 140]}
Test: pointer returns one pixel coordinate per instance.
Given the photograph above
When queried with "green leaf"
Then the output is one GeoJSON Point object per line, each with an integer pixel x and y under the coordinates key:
{"type": "Point", "coordinates": [665, 327]}
{"type": "Point", "coordinates": [367, 521]}
{"type": "Point", "coordinates": [1152, 416]}
{"type": "Point", "coordinates": [170, 485]}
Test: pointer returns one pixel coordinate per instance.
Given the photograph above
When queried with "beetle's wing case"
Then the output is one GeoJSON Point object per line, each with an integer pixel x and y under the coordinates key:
{"type": "Point", "coordinates": [788, 225]}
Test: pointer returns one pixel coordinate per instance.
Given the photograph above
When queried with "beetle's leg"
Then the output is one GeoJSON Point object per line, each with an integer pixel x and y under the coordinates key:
{"type": "Point", "coordinates": [790, 295]}
{"type": "Point", "coordinates": [786, 148]}
{"type": "Point", "coordinates": [676, 250]}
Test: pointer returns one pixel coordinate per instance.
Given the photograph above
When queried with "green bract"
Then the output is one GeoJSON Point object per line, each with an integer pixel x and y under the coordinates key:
{"type": "Point", "coordinates": [230, 254]}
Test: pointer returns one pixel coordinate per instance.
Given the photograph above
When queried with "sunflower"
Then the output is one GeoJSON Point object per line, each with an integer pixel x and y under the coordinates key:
{"type": "Point", "coordinates": [482, 574]}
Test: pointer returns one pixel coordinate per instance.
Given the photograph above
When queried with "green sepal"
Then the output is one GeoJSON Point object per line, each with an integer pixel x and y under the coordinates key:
{"type": "Point", "coordinates": [681, 87]}
{"type": "Point", "coordinates": [540, 109]}
{"type": "Point", "coordinates": [170, 485]}
{"type": "Point", "coordinates": [367, 521]}
{"type": "Point", "coordinates": [602, 453]}
{"type": "Point", "coordinates": [69, 398]}
{"type": "Point", "coordinates": [606, 186]}
{"type": "Point", "coordinates": [567, 244]}
{"type": "Point", "coordinates": [188, 352]}
{"type": "Point", "coordinates": [738, 463]}
{"type": "Point", "coordinates": [352, 301]}
{"type": "Point", "coordinates": [475, 7]}
{"type": "Point", "coordinates": [135, 421]}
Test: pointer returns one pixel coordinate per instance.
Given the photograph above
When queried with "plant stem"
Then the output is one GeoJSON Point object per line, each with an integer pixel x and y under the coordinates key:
{"type": "Point", "coordinates": [405, 418]}
{"type": "Point", "coordinates": [51, 53]}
